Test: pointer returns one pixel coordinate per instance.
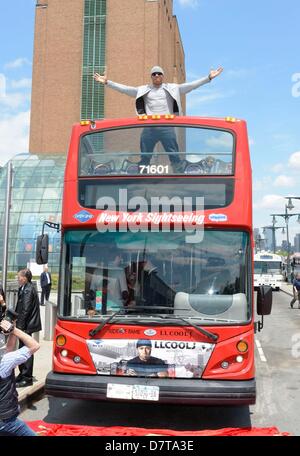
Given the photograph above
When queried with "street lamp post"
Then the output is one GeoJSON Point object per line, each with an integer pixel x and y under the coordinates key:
{"type": "Point", "coordinates": [273, 228]}
{"type": "Point", "coordinates": [287, 217]}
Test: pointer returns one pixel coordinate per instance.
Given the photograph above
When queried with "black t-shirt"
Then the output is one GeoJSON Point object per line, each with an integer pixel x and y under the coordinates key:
{"type": "Point", "coordinates": [149, 367]}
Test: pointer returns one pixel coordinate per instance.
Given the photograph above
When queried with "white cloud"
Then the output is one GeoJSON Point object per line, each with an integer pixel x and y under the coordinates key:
{"type": "Point", "coordinates": [284, 181]}
{"type": "Point", "coordinates": [17, 63]}
{"type": "Point", "coordinates": [2, 85]}
{"type": "Point", "coordinates": [190, 3]}
{"type": "Point", "coordinates": [263, 184]}
{"type": "Point", "coordinates": [24, 83]}
{"type": "Point", "coordinates": [224, 141]}
{"type": "Point", "coordinates": [198, 100]}
{"type": "Point", "coordinates": [272, 202]}
{"type": "Point", "coordinates": [294, 160]}
{"type": "Point", "coordinates": [277, 168]}
{"type": "Point", "coordinates": [14, 101]}
{"type": "Point", "coordinates": [240, 73]}
{"type": "Point", "coordinates": [14, 134]}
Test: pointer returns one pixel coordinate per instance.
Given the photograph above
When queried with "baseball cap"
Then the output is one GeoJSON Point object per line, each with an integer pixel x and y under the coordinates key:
{"type": "Point", "coordinates": [144, 343]}
{"type": "Point", "coordinates": [157, 69]}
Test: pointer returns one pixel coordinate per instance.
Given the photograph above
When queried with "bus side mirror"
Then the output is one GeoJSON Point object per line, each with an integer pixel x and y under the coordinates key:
{"type": "Point", "coordinates": [264, 300]}
{"type": "Point", "coordinates": [42, 244]}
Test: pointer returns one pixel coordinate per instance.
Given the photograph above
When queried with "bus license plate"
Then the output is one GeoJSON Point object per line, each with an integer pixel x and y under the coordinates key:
{"type": "Point", "coordinates": [137, 392]}
{"type": "Point", "coordinates": [145, 393]}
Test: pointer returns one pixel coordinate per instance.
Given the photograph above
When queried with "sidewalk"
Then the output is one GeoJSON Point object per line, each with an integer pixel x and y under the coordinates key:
{"type": "Point", "coordinates": [42, 365]}
{"type": "Point", "coordinates": [287, 288]}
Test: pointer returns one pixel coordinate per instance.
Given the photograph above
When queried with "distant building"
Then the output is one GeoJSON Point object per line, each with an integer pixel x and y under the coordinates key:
{"type": "Point", "coordinates": [268, 235]}
{"type": "Point", "coordinates": [297, 243]}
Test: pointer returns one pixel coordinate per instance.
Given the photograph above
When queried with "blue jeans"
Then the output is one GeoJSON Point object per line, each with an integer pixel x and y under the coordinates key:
{"type": "Point", "coordinates": [151, 136]}
{"type": "Point", "coordinates": [15, 427]}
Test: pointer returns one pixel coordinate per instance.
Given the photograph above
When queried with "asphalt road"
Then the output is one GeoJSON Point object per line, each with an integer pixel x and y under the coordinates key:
{"type": "Point", "coordinates": [278, 383]}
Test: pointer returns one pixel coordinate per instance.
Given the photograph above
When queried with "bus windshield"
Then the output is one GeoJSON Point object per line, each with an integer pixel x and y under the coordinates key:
{"type": "Point", "coordinates": [157, 150]}
{"type": "Point", "coordinates": [267, 267]}
{"type": "Point", "coordinates": [145, 274]}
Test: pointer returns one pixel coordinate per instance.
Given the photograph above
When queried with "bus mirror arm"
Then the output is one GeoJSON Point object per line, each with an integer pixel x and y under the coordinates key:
{"type": "Point", "coordinates": [55, 226]}
{"type": "Point", "coordinates": [258, 325]}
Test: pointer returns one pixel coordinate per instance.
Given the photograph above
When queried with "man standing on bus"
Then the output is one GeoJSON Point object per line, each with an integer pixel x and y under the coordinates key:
{"type": "Point", "coordinates": [296, 291]}
{"type": "Point", "coordinates": [158, 98]}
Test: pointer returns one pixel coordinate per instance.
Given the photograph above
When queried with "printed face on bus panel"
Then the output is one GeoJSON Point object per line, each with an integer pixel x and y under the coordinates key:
{"type": "Point", "coordinates": [144, 352]}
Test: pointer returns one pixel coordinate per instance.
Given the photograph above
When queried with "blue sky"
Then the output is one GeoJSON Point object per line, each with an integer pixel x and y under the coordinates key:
{"type": "Point", "coordinates": [256, 42]}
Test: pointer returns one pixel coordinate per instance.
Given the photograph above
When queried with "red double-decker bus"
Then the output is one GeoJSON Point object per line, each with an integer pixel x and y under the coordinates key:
{"type": "Point", "coordinates": [156, 281]}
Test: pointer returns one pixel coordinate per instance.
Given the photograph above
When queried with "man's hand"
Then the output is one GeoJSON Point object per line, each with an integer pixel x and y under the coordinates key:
{"type": "Point", "coordinates": [214, 73]}
{"type": "Point", "coordinates": [100, 78]}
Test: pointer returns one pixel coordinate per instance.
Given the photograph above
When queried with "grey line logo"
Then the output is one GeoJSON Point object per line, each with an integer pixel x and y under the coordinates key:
{"type": "Point", "coordinates": [160, 213]}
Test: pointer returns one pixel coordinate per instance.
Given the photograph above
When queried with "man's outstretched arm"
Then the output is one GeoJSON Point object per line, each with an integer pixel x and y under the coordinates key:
{"type": "Point", "coordinates": [127, 90]}
{"type": "Point", "coordinates": [189, 86]}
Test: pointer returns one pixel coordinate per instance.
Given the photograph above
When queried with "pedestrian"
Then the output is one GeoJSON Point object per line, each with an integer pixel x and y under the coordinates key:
{"type": "Point", "coordinates": [296, 291]}
{"type": "Point", "coordinates": [158, 98]}
{"type": "Point", "coordinates": [10, 424]}
{"type": "Point", "coordinates": [29, 321]}
{"type": "Point", "coordinates": [46, 283]}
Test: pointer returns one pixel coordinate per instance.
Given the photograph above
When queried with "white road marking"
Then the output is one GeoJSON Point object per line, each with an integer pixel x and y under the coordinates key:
{"type": "Point", "coordinates": [260, 351]}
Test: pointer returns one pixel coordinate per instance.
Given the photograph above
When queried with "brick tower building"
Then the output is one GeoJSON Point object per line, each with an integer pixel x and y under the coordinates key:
{"type": "Point", "coordinates": [74, 39]}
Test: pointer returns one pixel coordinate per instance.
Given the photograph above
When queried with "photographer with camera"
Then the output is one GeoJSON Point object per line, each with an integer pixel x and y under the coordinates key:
{"type": "Point", "coordinates": [29, 321]}
{"type": "Point", "coordinates": [10, 424]}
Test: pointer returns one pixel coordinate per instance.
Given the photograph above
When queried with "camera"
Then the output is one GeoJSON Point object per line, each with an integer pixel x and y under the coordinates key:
{"type": "Point", "coordinates": [10, 316]}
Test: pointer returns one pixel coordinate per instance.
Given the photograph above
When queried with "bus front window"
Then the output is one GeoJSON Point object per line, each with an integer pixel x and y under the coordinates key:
{"type": "Point", "coordinates": [144, 274]}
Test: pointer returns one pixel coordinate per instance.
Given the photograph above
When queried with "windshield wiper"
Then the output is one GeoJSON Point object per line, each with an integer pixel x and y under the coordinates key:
{"type": "Point", "coordinates": [206, 333]}
{"type": "Point", "coordinates": [98, 328]}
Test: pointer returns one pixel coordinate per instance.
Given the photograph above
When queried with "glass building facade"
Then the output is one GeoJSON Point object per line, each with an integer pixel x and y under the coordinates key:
{"type": "Point", "coordinates": [36, 197]}
{"type": "Point", "coordinates": [92, 99]}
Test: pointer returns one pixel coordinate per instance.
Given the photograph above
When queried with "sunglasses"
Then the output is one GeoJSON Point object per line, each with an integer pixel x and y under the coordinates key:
{"type": "Point", "coordinates": [156, 74]}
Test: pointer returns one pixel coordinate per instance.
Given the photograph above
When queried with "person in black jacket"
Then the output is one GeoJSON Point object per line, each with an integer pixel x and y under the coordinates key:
{"type": "Point", "coordinates": [45, 280]}
{"type": "Point", "coordinates": [10, 424]}
{"type": "Point", "coordinates": [29, 320]}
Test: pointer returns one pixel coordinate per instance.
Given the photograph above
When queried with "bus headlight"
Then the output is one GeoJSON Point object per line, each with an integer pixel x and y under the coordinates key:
{"type": "Point", "coordinates": [61, 340]}
{"type": "Point", "coordinates": [242, 346]}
